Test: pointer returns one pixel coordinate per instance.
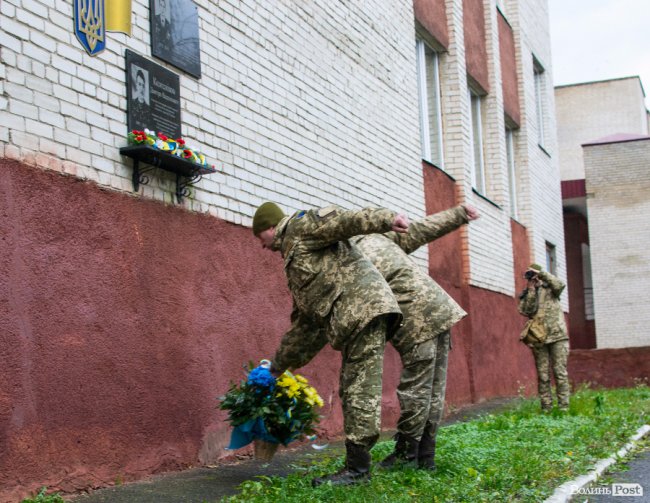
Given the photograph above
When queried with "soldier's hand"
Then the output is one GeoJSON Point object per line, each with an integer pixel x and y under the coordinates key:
{"type": "Point", "coordinates": [275, 372]}
{"type": "Point", "coordinates": [472, 213]}
{"type": "Point", "coordinates": [401, 223]}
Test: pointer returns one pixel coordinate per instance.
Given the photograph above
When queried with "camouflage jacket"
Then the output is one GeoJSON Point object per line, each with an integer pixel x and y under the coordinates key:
{"type": "Point", "coordinates": [336, 290]}
{"type": "Point", "coordinates": [544, 302]}
{"type": "Point", "coordinates": [428, 310]}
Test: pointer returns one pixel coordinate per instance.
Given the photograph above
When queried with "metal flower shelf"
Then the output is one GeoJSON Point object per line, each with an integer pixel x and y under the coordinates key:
{"type": "Point", "coordinates": [187, 172]}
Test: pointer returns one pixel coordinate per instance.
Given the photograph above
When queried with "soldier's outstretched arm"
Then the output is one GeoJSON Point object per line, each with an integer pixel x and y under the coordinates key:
{"type": "Point", "coordinates": [336, 224]}
{"type": "Point", "coordinates": [430, 228]}
{"type": "Point", "coordinates": [299, 345]}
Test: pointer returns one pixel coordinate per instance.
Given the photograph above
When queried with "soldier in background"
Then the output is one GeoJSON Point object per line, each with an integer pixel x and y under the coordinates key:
{"type": "Point", "coordinates": [339, 298]}
{"type": "Point", "coordinates": [423, 340]}
{"type": "Point", "coordinates": [541, 300]}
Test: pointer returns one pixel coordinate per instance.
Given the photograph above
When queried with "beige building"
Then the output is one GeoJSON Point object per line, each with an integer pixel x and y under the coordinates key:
{"type": "Point", "coordinates": [593, 110]}
{"type": "Point", "coordinates": [617, 175]}
{"type": "Point", "coordinates": [604, 145]}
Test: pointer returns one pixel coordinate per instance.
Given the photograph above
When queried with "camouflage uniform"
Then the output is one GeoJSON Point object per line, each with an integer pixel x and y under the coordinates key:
{"type": "Point", "coordinates": [423, 339]}
{"type": "Point", "coordinates": [339, 297]}
{"type": "Point", "coordinates": [544, 302]}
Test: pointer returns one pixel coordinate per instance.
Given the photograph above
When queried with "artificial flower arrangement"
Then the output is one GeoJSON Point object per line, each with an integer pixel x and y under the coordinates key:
{"type": "Point", "coordinates": [177, 147]}
{"type": "Point", "coordinates": [269, 410]}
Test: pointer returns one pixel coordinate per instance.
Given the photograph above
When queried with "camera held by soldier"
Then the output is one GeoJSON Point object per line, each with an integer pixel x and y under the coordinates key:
{"type": "Point", "coordinates": [530, 274]}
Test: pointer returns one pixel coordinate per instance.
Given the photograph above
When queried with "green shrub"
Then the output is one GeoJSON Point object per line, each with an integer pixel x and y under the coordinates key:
{"type": "Point", "coordinates": [42, 497]}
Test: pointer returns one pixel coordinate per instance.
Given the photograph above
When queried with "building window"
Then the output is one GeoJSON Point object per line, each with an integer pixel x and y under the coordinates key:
{"type": "Point", "coordinates": [476, 130]}
{"type": "Point", "coordinates": [512, 172]}
{"type": "Point", "coordinates": [540, 99]}
{"type": "Point", "coordinates": [551, 259]}
{"type": "Point", "coordinates": [428, 69]}
{"type": "Point", "coordinates": [587, 281]}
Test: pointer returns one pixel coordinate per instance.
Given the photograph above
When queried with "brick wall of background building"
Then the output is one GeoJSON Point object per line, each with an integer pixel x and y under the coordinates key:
{"type": "Point", "coordinates": [590, 111]}
{"type": "Point", "coordinates": [618, 184]}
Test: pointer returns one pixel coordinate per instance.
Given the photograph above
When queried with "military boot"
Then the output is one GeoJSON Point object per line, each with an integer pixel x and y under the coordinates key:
{"type": "Point", "coordinates": [406, 451]}
{"type": "Point", "coordinates": [427, 448]}
{"type": "Point", "coordinates": [356, 469]}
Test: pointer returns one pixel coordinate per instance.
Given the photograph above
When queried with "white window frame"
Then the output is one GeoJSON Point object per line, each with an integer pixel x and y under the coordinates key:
{"type": "Point", "coordinates": [512, 172]}
{"type": "Point", "coordinates": [551, 259]}
{"type": "Point", "coordinates": [587, 281]}
{"type": "Point", "coordinates": [539, 76]}
{"type": "Point", "coordinates": [476, 133]}
{"type": "Point", "coordinates": [425, 95]}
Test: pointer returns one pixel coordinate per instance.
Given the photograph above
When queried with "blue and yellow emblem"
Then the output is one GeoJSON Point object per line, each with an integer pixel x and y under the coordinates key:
{"type": "Point", "coordinates": [90, 25]}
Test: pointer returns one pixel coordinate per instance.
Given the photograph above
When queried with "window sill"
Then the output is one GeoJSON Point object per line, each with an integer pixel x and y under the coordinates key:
{"type": "Point", "coordinates": [486, 199]}
{"type": "Point", "coordinates": [541, 147]}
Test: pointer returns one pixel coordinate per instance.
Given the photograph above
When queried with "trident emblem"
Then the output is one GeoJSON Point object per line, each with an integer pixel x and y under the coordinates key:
{"type": "Point", "coordinates": [89, 22]}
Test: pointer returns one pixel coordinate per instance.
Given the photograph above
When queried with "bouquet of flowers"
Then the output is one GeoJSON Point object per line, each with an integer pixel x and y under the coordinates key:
{"type": "Point", "coordinates": [177, 147]}
{"type": "Point", "coordinates": [277, 411]}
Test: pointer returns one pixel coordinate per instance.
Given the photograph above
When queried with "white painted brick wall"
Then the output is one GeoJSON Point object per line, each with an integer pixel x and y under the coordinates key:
{"type": "Point", "coordinates": [302, 103]}
{"type": "Point", "coordinates": [618, 184]}
{"type": "Point", "coordinates": [310, 103]}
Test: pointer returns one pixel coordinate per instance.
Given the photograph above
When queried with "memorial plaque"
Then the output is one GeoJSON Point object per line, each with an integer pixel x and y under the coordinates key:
{"type": "Point", "coordinates": [175, 34]}
{"type": "Point", "coordinates": [153, 96]}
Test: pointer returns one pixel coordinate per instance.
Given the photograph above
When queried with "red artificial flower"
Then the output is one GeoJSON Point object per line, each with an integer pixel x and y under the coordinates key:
{"type": "Point", "coordinates": [180, 141]}
{"type": "Point", "coordinates": [162, 137]}
{"type": "Point", "coordinates": [187, 153]}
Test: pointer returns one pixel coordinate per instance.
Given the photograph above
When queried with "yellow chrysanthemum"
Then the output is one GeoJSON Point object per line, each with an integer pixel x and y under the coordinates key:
{"type": "Point", "coordinates": [290, 393]}
{"type": "Point", "coordinates": [286, 381]}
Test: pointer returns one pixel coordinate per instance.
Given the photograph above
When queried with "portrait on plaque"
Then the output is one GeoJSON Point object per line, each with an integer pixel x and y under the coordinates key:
{"type": "Point", "coordinates": [153, 96]}
{"type": "Point", "coordinates": [139, 104]}
{"type": "Point", "coordinates": [175, 34]}
{"type": "Point", "coordinates": [162, 30]}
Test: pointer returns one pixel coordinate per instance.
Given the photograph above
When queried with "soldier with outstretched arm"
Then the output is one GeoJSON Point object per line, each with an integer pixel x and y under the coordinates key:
{"type": "Point", "coordinates": [423, 340]}
{"type": "Point", "coordinates": [339, 298]}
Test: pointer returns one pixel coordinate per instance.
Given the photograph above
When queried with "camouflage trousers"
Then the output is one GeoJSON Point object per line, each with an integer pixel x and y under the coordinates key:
{"type": "Point", "coordinates": [421, 390]}
{"type": "Point", "coordinates": [360, 383]}
{"type": "Point", "coordinates": [552, 356]}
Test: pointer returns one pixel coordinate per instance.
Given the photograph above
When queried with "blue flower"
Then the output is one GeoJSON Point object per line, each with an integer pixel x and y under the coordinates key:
{"type": "Point", "coordinates": [262, 377]}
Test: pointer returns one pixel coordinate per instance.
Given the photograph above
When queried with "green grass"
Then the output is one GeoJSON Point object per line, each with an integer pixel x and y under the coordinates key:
{"type": "Point", "coordinates": [518, 454]}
